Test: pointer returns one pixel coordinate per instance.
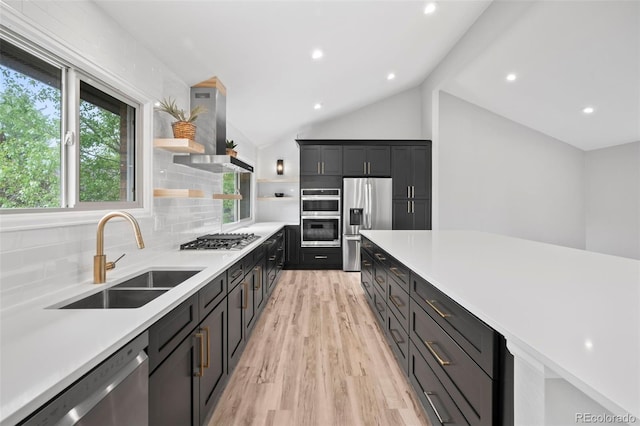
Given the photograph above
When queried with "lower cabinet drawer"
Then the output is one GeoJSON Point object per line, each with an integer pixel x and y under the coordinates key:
{"type": "Point", "coordinates": [399, 340]}
{"type": "Point", "coordinates": [367, 284]}
{"type": "Point", "coordinates": [464, 380]}
{"type": "Point", "coordinates": [435, 399]}
{"type": "Point", "coordinates": [166, 334]}
{"type": "Point", "coordinates": [380, 308]}
{"type": "Point", "coordinates": [319, 257]}
{"type": "Point", "coordinates": [474, 336]}
{"type": "Point", "coordinates": [398, 302]}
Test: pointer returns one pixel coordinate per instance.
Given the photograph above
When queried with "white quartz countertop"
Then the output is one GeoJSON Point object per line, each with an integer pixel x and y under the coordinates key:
{"type": "Point", "coordinates": [42, 351]}
{"type": "Point", "coordinates": [574, 311]}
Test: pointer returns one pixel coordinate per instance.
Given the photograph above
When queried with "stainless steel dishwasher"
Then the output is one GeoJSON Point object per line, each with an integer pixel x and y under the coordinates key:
{"type": "Point", "coordinates": [114, 393]}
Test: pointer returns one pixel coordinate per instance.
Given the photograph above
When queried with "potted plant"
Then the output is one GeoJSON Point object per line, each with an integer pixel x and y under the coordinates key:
{"type": "Point", "coordinates": [230, 148]}
{"type": "Point", "coordinates": [183, 127]}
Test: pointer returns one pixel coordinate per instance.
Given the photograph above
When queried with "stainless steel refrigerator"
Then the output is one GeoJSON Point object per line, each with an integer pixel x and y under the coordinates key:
{"type": "Point", "coordinates": [366, 205]}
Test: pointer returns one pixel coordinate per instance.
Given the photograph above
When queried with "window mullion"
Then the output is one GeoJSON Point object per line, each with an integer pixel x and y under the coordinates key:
{"type": "Point", "coordinates": [72, 138]}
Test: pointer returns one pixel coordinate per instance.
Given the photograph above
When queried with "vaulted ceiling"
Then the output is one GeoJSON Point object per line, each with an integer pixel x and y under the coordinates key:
{"type": "Point", "coordinates": [567, 55]}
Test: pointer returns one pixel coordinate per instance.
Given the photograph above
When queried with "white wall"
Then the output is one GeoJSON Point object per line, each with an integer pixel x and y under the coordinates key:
{"type": "Point", "coordinates": [612, 177]}
{"type": "Point", "coordinates": [498, 176]}
{"type": "Point", "coordinates": [41, 258]}
{"type": "Point", "coordinates": [396, 117]}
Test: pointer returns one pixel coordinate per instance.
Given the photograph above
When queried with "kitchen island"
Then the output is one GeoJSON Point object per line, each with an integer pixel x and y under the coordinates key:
{"type": "Point", "coordinates": [565, 313]}
{"type": "Point", "coordinates": [44, 349]}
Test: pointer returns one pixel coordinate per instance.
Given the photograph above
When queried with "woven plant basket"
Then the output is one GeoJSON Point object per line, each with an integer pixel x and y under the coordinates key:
{"type": "Point", "coordinates": [232, 152]}
{"type": "Point", "coordinates": [184, 130]}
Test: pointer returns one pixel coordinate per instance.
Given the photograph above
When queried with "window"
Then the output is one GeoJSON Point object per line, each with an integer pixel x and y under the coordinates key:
{"type": "Point", "coordinates": [236, 210]}
{"type": "Point", "coordinates": [66, 141]}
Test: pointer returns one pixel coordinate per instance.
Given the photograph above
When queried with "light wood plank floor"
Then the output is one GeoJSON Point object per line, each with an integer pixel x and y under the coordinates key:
{"type": "Point", "coordinates": [318, 357]}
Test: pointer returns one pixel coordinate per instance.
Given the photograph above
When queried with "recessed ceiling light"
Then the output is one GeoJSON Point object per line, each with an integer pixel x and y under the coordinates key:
{"type": "Point", "coordinates": [511, 77]}
{"type": "Point", "coordinates": [429, 8]}
{"type": "Point", "coordinates": [317, 106]}
{"type": "Point", "coordinates": [588, 110]}
{"type": "Point", "coordinates": [391, 76]}
{"type": "Point", "coordinates": [317, 54]}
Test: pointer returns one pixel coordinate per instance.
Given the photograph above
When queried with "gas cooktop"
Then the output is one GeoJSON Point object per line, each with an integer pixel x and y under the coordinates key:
{"type": "Point", "coordinates": [220, 242]}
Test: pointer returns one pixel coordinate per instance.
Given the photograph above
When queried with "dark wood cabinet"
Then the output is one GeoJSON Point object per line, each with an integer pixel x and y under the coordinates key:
{"type": "Point", "coordinates": [411, 214]}
{"type": "Point", "coordinates": [366, 160]}
{"type": "Point", "coordinates": [174, 392]}
{"type": "Point", "coordinates": [411, 173]}
{"type": "Point", "coordinates": [213, 375]}
{"type": "Point", "coordinates": [321, 160]}
{"type": "Point", "coordinates": [236, 302]}
{"type": "Point", "coordinates": [292, 241]}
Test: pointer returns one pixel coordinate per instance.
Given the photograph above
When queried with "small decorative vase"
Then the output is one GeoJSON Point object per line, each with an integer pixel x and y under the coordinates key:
{"type": "Point", "coordinates": [184, 130]}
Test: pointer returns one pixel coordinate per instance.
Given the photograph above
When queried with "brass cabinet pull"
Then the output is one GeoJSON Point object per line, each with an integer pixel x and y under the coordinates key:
{"type": "Point", "coordinates": [435, 410]}
{"type": "Point", "coordinates": [399, 340]}
{"type": "Point", "coordinates": [245, 299]}
{"type": "Point", "coordinates": [413, 191]}
{"type": "Point", "coordinates": [441, 361]}
{"type": "Point", "coordinates": [365, 263]}
{"type": "Point", "coordinates": [364, 283]}
{"type": "Point", "coordinates": [318, 167]}
{"type": "Point", "coordinates": [323, 167]}
{"type": "Point", "coordinates": [236, 275]}
{"type": "Point", "coordinates": [320, 257]}
{"type": "Point", "coordinates": [380, 257]}
{"type": "Point", "coordinates": [379, 280]}
{"type": "Point", "coordinates": [394, 299]}
{"type": "Point", "coordinates": [369, 170]}
{"type": "Point", "coordinates": [258, 269]}
{"type": "Point", "coordinates": [272, 257]}
{"type": "Point", "coordinates": [364, 167]}
{"type": "Point", "coordinates": [408, 192]}
{"type": "Point", "coordinates": [408, 206]}
{"type": "Point", "coordinates": [200, 372]}
{"type": "Point", "coordinates": [413, 207]}
{"type": "Point", "coordinates": [431, 303]}
{"type": "Point", "coordinates": [396, 271]}
{"type": "Point", "coordinates": [208, 362]}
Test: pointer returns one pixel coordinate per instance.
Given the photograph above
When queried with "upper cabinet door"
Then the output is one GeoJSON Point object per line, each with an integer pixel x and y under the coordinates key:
{"type": "Point", "coordinates": [366, 161]}
{"type": "Point", "coordinates": [401, 171]}
{"type": "Point", "coordinates": [310, 157]}
{"type": "Point", "coordinates": [379, 163]}
{"type": "Point", "coordinates": [421, 168]}
{"type": "Point", "coordinates": [331, 162]}
{"type": "Point", "coordinates": [355, 161]}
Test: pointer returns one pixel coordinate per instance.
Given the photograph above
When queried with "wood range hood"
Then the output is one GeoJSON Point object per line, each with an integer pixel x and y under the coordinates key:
{"type": "Point", "coordinates": [212, 131]}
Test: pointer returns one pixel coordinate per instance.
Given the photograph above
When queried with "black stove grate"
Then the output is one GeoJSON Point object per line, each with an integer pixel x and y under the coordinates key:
{"type": "Point", "coordinates": [220, 242]}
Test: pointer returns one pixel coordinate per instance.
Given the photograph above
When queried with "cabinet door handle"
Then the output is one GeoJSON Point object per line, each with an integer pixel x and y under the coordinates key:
{"type": "Point", "coordinates": [245, 299]}
{"type": "Point", "coordinates": [323, 167]}
{"type": "Point", "coordinates": [408, 191]}
{"type": "Point", "coordinates": [200, 371]}
{"type": "Point", "coordinates": [208, 362]}
{"type": "Point", "coordinates": [398, 340]}
{"type": "Point", "coordinates": [441, 361]}
{"type": "Point", "coordinates": [272, 258]}
{"type": "Point", "coordinates": [413, 191]}
{"type": "Point", "coordinates": [408, 206]}
{"type": "Point", "coordinates": [380, 257]}
{"type": "Point", "coordinates": [435, 410]}
{"type": "Point", "coordinates": [413, 207]}
{"type": "Point", "coordinates": [438, 311]}
{"type": "Point", "coordinates": [396, 272]}
{"type": "Point", "coordinates": [318, 167]}
{"type": "Point", "coordinates": [364, 167]}
{"type": "Point", "coordinates": [366, 284]}
{"type": "Point", "coordinates": [258, 269]}
{"type": "Point", "coordinates": [379, 280]}
{"type": "Point", "coordinates": [236, 275]}
{"type": "Point", "coordinates": [320, 257]}
{"type": "Point", "coordinates": [365, 263]}
{"type": "Point", "coordinates": [396, 301]}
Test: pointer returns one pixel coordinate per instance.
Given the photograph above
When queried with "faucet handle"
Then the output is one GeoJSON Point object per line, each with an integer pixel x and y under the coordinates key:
{"type": "Point", "coordinates": [112, 265]}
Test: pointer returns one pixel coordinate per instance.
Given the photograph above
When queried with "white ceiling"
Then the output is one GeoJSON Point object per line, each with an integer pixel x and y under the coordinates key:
{"type": "Point", "coordinates": [261, 51]}
{"type": "Point", "coordinates": [567, 55]}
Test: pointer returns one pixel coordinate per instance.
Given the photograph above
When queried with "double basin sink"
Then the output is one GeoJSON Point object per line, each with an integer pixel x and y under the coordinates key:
{"type": "Point", "coordinates": [134, 292]}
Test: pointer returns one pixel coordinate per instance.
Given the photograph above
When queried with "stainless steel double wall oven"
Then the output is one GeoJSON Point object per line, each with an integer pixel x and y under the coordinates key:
{"type": "Point", "coordinates": [320, 217]}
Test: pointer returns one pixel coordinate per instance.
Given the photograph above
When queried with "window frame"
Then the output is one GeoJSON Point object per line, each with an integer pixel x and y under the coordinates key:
{"type": "Point", "coordinates": [44, 46]}
{"type": "Point", "coordinates": [225, 227]}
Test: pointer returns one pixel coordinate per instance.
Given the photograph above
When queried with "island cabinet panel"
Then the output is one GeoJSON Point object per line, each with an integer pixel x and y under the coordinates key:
{"type": "Point", "coordinates": [456, 363]}
{"type": "Point", "coordinates": [475, 337]}
{"type": "Point", "coordinates": [435, 399]}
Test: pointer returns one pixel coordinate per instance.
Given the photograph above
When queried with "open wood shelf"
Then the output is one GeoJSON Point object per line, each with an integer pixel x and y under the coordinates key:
{"type": "Point", "coordinates": [186, 146]}
{"type": "Point", "coordinates": [277, 198]}
{"type": "Point", "coordinates": [276, 180]}
{"type": "Point", "coordinates": [177, 193]}
{"type": "Point", "coordinates": [227, 196]}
